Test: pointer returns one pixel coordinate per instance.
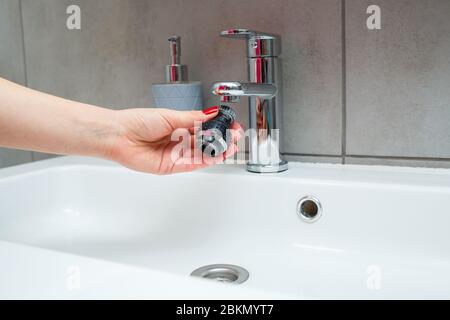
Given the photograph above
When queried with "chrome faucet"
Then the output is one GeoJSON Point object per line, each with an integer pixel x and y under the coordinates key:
{"type": "Point", "coordinates": [265, 98]}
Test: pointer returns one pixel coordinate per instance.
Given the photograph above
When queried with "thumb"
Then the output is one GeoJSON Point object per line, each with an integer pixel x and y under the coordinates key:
{"type": "Point", "coordinates": [186, 119]}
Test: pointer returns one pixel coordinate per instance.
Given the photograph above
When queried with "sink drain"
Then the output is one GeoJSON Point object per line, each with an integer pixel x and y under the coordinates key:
{"type": "Point", "coordinates": [222, 273]}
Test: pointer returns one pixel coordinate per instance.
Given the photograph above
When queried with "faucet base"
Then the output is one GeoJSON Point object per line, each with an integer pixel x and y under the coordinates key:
{"type": "Point", "coordinates": [267, 168]}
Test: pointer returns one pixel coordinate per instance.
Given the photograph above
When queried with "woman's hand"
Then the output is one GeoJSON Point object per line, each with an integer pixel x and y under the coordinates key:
{"type": "Point", "coordinates": [144, 140]}
{"type": "Point", "coordinates": [137, 138]}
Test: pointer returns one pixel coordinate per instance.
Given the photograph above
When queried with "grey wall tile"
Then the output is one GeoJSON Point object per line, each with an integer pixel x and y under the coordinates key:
{"type": "Point", "coordinates": [397, 78]}
{"type": "Point", "coordinates": [11, 157]}
{"type": "Point", "coordinates": [398, 101]}
{"type": "Point", "coordinates": [399, 162]}
{"type": "Point", "coordinates": [11, 65]}
{"type": "Point", "coordinates": [11, 49]}
{"type": "Point", "coordinates": [311, 65]}
{"type": "Point", "coordinates": [108, 62]}
{"type": "Point", "coordinates": [122, 48]}
{"type": "Point", "coordinates": [37, 156]}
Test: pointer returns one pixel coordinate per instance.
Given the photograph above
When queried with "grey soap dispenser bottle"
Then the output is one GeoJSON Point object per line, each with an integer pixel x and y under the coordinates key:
{"type": "Point", "coordinates": [177, 92]}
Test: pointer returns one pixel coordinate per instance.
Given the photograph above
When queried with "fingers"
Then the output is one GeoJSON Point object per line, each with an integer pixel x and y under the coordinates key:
{"type": "Point", "coordinates": [237, 132]}
{"type": "Point", "coordinates": [231, 151]}
{"type": "Point", "coordinates": [237, 126]}
{"type": "Point", "coordinates": [186, 165]}
{"type": "Point", "coordinates": [195, 159]}
{"type": "Point", "coordinates": [198, 160]}
{"type": "Point", "coordinates": [186, 119]}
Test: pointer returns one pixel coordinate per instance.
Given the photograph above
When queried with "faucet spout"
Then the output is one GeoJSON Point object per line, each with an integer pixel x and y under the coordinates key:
{"type": "Point", "coordinates": [240, 89]}
{"type": "Point", "coordinates": [265, 104]}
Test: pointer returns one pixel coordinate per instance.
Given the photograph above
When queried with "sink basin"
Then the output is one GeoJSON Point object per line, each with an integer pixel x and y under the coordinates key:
{"type": "Point", "coordinates": [383, 232]}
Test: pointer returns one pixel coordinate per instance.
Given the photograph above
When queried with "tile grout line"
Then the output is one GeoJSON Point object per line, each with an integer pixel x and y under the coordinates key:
{"type": "Point", "coordinates": [24, 57]}
{"type": "Point", "coordinates": [358, 156]}
{"type": "Point", "coordinates": [344, 83]}
{"type": "Point", "coordinates": [398, 158]}
{"type": "Point", "coordinates": [311, 155]}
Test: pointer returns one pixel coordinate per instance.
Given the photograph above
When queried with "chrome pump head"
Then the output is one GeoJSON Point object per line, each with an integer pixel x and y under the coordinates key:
{"type": "Point", "coordinates": [175, 71]}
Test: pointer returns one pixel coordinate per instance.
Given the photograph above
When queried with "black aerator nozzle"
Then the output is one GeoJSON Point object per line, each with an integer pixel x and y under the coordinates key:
{"type": "Point", "coordinates": [212, 139]}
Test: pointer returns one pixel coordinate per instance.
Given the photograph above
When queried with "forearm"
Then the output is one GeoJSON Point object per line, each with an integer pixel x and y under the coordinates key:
{"type": "Point", "coordinates": [37, 121]}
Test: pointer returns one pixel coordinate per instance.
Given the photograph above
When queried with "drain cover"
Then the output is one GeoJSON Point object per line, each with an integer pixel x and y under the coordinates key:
{"type": "Point", "coordinates": [222, 273]}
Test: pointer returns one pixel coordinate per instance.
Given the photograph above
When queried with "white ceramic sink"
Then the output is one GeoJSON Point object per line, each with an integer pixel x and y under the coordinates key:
{"type": "Point", "coordinates": [384, 232]}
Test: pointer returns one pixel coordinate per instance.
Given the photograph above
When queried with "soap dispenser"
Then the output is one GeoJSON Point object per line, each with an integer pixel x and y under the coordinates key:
{"type": "Point", "coordinates": [177, 92]}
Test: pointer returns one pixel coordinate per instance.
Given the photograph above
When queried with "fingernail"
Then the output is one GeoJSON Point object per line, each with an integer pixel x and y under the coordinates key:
{"type": "Point", "coordinates": [211, 110]}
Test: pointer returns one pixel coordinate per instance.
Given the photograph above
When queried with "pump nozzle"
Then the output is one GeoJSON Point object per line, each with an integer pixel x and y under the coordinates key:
{"type": "Point", "coordinates": [175, 71]}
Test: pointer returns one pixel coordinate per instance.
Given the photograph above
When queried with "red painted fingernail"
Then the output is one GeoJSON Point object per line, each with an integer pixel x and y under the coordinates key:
{"type": "Point", "coordinates": [211, 110]}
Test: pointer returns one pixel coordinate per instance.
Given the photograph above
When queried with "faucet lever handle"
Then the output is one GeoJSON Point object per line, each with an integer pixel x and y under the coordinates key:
{"type": "Point", "coordinates": [246, 34]}
{"type": "Point", "coordinates": [259, 44]}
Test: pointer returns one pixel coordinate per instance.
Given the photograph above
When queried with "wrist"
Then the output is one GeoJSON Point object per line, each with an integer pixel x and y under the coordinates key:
{"type": "Point", "coordinates": [103, 130]}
